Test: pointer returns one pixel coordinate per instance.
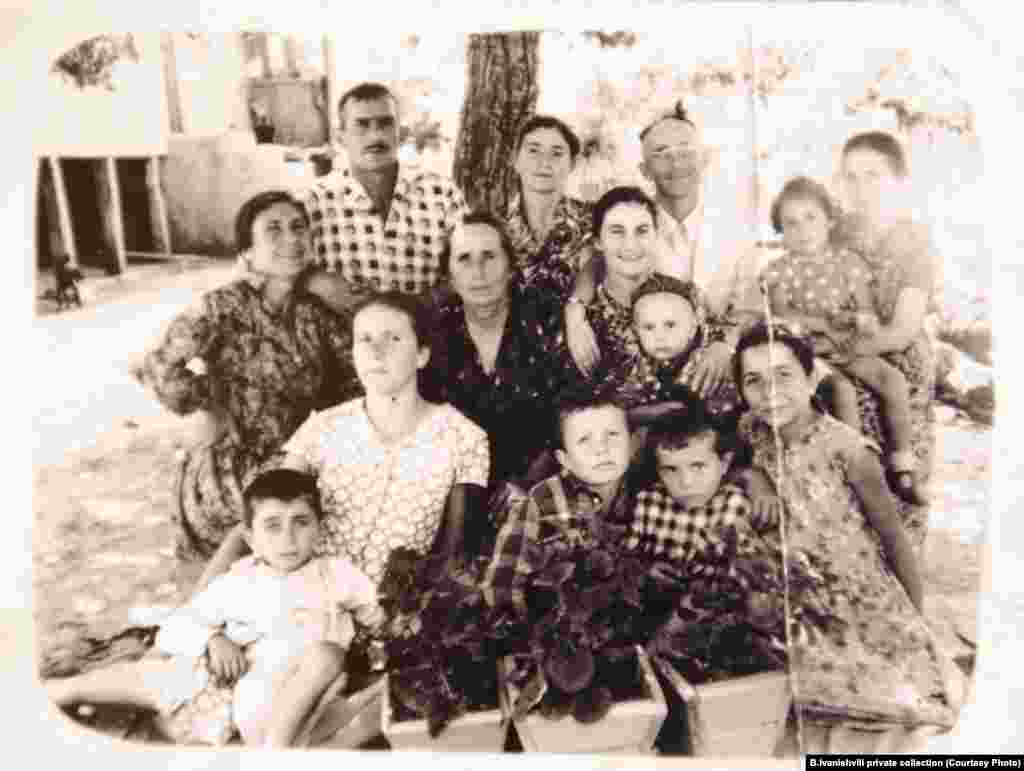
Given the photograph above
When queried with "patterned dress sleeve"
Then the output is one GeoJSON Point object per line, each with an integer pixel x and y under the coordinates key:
{"type": "Point", "coordinates": [473, 457]}
{"type": "Point", "coordinates": [189, 336]}
{"type": "Point", "coordinates": [336, 339]}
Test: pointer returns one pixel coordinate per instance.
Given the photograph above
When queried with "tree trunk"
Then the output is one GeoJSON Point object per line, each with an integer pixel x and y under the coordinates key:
{"type": "Point", "coordinates": [170, 63]}
{"type": "Point", "coordinates": [501, 93]}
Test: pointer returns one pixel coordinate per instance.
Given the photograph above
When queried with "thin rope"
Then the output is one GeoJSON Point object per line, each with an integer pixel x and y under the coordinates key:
{"type": "Point", "coordinates": [780, 473]}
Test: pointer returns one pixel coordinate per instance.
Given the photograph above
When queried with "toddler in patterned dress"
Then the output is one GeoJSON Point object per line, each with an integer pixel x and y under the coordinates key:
{"type": "Point", "coordinates": [263, 645]}
{"type": "Point", "coordinates": [829, 291]}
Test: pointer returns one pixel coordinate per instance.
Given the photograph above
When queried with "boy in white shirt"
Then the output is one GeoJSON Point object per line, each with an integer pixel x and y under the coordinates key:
{"type": "Point", "coordinates": [258, 648]}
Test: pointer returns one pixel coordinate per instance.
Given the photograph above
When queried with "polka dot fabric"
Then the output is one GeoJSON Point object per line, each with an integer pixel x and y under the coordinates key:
{"type": "Point", "coordinates": [821, 287]}
{"type": "Point", "coordinates": [402, 253]}
{"type": "Point", "coordinates": [380, 497]}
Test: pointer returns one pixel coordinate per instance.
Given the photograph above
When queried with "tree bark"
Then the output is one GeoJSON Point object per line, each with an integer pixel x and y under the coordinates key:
{"type": "Point", "coordinates": [170, 63]}
{"type": "Point", "coordinates": [501, 93]}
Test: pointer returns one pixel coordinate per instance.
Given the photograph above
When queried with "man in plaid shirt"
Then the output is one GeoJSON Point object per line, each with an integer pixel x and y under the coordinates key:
{"type": "Point", "coordinates": [571, 507]}
{"type": "Point", "coordinates": [377, 225]}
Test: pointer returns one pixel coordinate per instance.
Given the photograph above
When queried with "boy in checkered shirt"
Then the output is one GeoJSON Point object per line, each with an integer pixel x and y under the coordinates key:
{"type": "Point", "coordinates": [683, 510]}
{"type": "Point", "coordinates": [586, 500]}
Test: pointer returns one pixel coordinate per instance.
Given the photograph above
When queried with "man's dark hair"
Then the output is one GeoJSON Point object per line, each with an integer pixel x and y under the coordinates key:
{"type": "Point", "coordinates": [281, 484]}
{"type": "Point", "coordinates": [364, 92]}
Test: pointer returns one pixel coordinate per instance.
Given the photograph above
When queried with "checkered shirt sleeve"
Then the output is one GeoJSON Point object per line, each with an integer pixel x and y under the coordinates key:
{"type": "Point", "coordinates": [544, 516]}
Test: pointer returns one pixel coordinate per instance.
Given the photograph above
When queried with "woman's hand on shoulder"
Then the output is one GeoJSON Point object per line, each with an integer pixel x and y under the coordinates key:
{"type": "Point", "coordinates": [333, 288]}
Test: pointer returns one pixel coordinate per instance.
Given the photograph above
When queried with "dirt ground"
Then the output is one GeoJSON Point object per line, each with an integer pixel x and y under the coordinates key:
{"type": "Point", "coordinates": [105, 455]}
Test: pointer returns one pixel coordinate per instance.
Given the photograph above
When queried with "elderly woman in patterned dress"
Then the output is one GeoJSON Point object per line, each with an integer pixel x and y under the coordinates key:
{"type": "Point", "coordinates": [394, 470]}
{"type": "Point", "coordinates": [493, 355]}
{"type": "Point", "coordinates": [258, 354]}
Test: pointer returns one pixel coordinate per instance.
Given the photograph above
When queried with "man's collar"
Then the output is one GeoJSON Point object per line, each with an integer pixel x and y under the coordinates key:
{"type": "Point", "coordinates": [404, 180]}
{"type": "Point", "coordinates": [693, 219]}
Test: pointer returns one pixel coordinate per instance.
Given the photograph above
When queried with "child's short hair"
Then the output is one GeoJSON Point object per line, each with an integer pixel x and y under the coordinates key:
{"type": "Point", "coordinates": [658, 283]}
{"type": "Point", "coordinates": [680, 428]}
{"type": "Point", "coordinates": [281, 484]}
{"type": "Point", "coordinates": [803, 188]}
{"type": "Point", "coordinates": [577, 399]}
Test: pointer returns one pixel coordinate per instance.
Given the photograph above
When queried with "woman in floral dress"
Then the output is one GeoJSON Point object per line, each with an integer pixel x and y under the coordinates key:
{"type": "Point", "coordinates": [549, 230]}
{"type": "Point", "coordinates": [906, 275]}
{"type": "Point", "coordinates": [873, 658]}
{"type": "Point", "coordinates": [394, 470]}
{"type": "Point", "coordinates": [259, 354]}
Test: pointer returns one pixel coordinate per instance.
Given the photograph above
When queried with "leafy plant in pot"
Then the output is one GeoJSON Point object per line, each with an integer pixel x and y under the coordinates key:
{"type": "Point", "coordinates": [443, 641]}
{"type": "Point", "coordinates": [584, 616]}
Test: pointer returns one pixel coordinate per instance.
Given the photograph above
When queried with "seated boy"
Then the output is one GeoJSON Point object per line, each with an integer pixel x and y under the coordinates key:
{"type": "Point", "coordinates": [692, 515]}
{"type": "Point", "coordinates": [682, 511]}
{"type": "Point", "coordinates": [262, 644]}
{"type": "Point", "coordinates": [586, 496]}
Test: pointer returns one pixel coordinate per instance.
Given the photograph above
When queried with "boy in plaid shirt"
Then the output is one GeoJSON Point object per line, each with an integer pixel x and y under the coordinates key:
{"type": "Point", "coordinates": [682, 514]}
{"type": "Point", "coordinates": [569, 508]}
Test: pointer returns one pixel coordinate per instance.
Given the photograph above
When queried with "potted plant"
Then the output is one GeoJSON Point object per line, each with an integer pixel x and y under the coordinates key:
{"type": "Point", "coordinates": [577, 675]}
{"type": "Point", "coordinates": [442, 685]}
{"type": "Point", "coordinates": [722, 653]}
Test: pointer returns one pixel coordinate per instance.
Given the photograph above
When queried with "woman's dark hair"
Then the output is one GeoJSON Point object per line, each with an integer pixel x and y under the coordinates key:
{"type": "Point", "coordinates": [783, 334]}
{"type": "Point", "coordinates": [882, 143]}
{"type": "Point", "coordinates": [619, 195]}
{"type": "Point", "coordinates": [281, 484]}
{"type": "Point", "coordinates": [410, 305]}
{"type": "Point", "coordinates": [535, 122]}
{"type": "Point", "coordinates": [254, 207]}
{"type": "Point", "coordinates": [478, 217]}
{"type": "Point", "coordinates": [804, 189]}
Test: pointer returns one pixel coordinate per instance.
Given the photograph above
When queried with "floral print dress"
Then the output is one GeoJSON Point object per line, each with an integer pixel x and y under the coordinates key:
{"type": "Point", "coordinates": [267, 369]}
{"type": "Point", "coordinates": [875, 660]}
{"type": "Point", "coordinates": [550, 264]}
{"type": "Point", "coordinates": [904, 258]}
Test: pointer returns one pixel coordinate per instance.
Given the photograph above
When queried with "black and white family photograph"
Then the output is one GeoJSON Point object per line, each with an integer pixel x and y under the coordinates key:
{"type": "Point", "coordinates": [545, 388]}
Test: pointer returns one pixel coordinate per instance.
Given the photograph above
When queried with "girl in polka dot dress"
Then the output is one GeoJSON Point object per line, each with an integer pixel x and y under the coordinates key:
{"type": "Point", "coordinates": [830, 292]}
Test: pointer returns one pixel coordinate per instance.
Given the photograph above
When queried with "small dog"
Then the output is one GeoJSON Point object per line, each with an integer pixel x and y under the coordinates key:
{"type": "Point", "coordinates": [67, 283]}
